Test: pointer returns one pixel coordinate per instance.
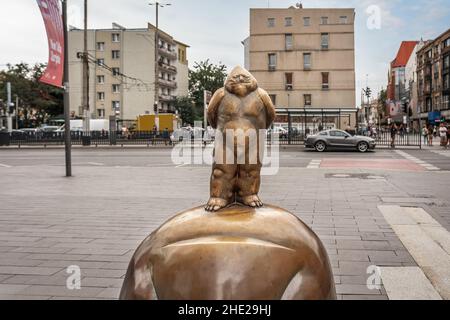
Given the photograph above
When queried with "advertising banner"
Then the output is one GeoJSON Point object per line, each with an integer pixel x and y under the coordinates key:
{"type": "Point", "coordinates": [51, 14]}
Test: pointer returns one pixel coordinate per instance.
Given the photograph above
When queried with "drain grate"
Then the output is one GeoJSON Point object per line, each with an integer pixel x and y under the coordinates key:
{"type": "Point", "coordinates": [361, 176]}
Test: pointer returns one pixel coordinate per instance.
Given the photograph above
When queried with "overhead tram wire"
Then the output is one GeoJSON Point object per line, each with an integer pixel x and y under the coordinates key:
{"type": "Point", "coordinates": [120, 76]}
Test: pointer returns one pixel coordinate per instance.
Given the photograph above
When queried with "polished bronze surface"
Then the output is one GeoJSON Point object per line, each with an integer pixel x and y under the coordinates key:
{"type": "Point", "coordinates": [238, 253]}
{"type": "Point", "coordinates": [238, 107]}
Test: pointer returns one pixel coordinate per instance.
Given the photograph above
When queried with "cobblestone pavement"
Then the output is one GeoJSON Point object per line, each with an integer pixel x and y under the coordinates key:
{"type": "Point", "coordinates": [98, 218]}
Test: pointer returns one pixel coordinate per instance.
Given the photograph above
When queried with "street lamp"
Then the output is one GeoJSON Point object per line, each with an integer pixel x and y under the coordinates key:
{"type": "Point", "coordinates": [157, 6]}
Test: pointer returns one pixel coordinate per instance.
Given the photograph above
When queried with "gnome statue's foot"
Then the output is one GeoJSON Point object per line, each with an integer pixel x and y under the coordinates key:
{"type": "Point", "coordinates": [251, 201]}
{"type": "Point", "coordinates": [215, 204]}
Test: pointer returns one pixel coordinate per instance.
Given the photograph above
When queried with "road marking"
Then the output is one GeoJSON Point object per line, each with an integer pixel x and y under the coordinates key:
{"type": "Point", "coordinates": [417, 161]}
{"type": "Point", "coordinates": [314, 164]}
{"type": "Point", "coordinates": [4, 165]}
{"type": "Point", "coordinates": [182, 165]}
{"type": "Point", "coordinates": [426, 240]}
{"type": "Point", "coordinates": [407, 283]}
{"type": "Point", "coordinates": [96, 164]}
{"type": "Point", "coordinates": [442, 153]}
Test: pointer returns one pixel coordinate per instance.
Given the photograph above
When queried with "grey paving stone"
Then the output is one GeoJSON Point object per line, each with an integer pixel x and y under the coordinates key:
{"type": "Point", "coordinates": [28, 270]}
{"type": "Point", "coordinates": [355, 289]}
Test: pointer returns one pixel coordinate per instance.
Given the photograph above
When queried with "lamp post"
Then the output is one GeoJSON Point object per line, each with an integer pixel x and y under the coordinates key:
{"type": "Point", "coordinates": [156, 104]}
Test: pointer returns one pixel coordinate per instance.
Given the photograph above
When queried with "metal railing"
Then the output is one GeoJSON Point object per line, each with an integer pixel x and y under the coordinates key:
{"type": "Point", "coordinates": [150, 138]}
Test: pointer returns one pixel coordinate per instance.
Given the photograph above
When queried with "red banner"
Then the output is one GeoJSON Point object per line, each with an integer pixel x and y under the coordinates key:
{"type": "Point", "coordinates": [51, 14]}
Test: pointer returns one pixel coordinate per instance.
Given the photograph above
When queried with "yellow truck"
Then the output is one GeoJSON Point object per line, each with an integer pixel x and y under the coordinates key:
{"type": "Point", "coordinates": [147, 122]}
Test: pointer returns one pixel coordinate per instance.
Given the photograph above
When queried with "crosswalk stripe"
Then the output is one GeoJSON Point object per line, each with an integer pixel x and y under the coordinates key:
{"type": "Point", "coordinates": [421, 163]}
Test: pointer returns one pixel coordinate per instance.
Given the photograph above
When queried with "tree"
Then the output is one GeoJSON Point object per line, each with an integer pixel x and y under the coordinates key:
{"type": "Point", "coordinates": [185, 108]}
{"type": "Point", "coordinates": [205, 76]}
{"type": "Point", "coordinates": [38, 102]}
{"type": "Point", "coordinates": [382, 98]}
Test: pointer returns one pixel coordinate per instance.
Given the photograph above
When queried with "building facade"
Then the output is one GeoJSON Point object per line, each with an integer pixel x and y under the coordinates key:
{"type": "Point", "coordinates": [122, 72]}
{"type": "Point", "coordinates": [433, 69]}
{"type": "Point", "coordinates": [305, 59]}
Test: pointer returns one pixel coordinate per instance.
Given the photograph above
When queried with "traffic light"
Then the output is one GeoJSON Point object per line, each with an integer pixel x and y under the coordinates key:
{"type": "Point", "coordinates": [368, 92]}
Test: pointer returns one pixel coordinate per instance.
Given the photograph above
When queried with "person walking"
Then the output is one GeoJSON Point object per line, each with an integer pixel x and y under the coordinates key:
{"type": "Point", "coordinates": [430, 135]}
{"type": "Point", "coordinates": [448, 135]}
{"type": "Point", "coordinates": [443, 135]}
{"type": "Point", "coordinates": [425, 135]}
{"type": "Point", "coordinates": [393, 130]}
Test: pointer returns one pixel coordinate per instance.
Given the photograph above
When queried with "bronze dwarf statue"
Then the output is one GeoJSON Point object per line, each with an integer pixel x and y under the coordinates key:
{"type": "Point", "coordinates": [240, 105]}
{"type": "Point", "coordinates": [235, 248]}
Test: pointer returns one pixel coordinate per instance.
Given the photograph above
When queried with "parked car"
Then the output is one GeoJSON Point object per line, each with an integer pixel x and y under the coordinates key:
{"type": "Point", "coordinates": [282, 132]}
{"type": "Point", "coordinates": [337, 139]}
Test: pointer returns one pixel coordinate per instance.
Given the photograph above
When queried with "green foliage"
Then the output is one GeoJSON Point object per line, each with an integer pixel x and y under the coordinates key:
{"type": "Point", "coordinates": [37, 101]}
{"type": "Point", "coordinates": [382, 98]}
{"type": "Point", "coordinates": [185, 108]}
{"type": "Point", "coordinates": [205, 76]}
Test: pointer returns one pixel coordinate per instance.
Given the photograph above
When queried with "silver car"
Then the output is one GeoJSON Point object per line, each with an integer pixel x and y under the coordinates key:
{"type": "Point", "coordinates": [338, 139]}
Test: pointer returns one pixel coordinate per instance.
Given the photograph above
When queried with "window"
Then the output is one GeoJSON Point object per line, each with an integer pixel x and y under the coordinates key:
{"type": "Point", "coordinates": [306, 21]}
{"type": "Point", "coordinates": [288, 80]}
{"type": "Point", "coordinates": [289, 41]}
{"type": "Point", "coordinates": [116, 88]}
{"type": "Point", "coordinates": [272, 61]}
{"type": "Point", "coordinates": [116, 37]}
{"type": "Point", "coordinates": [307, 98]}
{"type": "Point", "coordinates": [100, 46]}
{"type": "Point", "coordinates": [100, 96]}
{"type": "Point", "coordinates": [101, 113]}
{"type": "Point", "coordinates": [100, 79]}
{"type": "Point", "coordinates": [339, 134]}
{"type": "Point", "coordinates": [343, 20]}
{"type": "Point", "coordinates": [324, 41]}
{"type": "Point", "coordinates": [447, 43]}
{"type": "Point", "coordinates": [324, 20]}
{"type": "Point", "coordinates": [116, 71]}
{"type": "Point", "coordinates": [273, 97]}
{"type": "Point", "coordinates": [307, 61]}
{"type": "Point", "coordinates": [271, 22]}
{"type": "Point", "coordinates": [323, 133]}
{"type": "Point", "coordinates": [446, 62]}
{"type": "Point", "coordinates": [446, 81]}
{"type": "Point", "coordinates": [115, 54]}
{"type": "Point", "coordinates": [325, 78]}
{"type": "Point", "coordinates": [101, 62]}
{"type": "Point", "coordinates": [288, 22]}
{"type": "Point", "coordinates": [116, 106]}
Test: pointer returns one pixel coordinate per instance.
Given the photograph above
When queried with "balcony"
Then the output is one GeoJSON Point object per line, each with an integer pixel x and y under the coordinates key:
{"type": "Point", "coordinates": [167, 98]}
{"type": "Point", "coordinates": [171, 54]}
{"type": "Point", "coordinates": [167, 83]}
{"type": "Point", "coordinates": [167, 68]}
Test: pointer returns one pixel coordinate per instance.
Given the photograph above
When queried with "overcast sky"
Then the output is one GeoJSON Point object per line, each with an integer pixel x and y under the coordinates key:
{"type": "Point", "coordinates": [215, 28]}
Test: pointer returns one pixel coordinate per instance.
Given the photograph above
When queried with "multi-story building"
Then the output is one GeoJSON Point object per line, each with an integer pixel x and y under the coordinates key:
{"type": "Point", "coordinates": [397, 82]}
{"type": "Point", "coordinates": [433, 69]}
{"type": "Point", "coordinates": [122, 72]}
{"type": "Point", "coordinates": [305, 59]}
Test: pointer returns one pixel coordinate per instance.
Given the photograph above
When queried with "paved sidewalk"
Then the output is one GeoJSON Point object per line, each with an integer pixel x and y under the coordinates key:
{"type": "Point", "coordinates": [97, 219]}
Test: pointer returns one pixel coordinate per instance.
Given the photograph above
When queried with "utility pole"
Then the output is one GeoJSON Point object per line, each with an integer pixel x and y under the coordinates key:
{"type": "Point", "coordinates": [156, 104]}
{"type": "Point", "coordinates": [85, 102]}
{"type": "Point", "coordinates": [67, 137]}
{"type": "Point", "coordinates": [17, 112]}
{"type": "Point", "coordinates": [8, 108]}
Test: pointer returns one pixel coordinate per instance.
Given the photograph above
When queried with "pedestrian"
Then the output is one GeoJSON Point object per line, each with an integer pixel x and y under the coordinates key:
{"type": "Point", "coordinates": [425, 134]}
{"type": "Point", "coordinates": [448, 135]}
{"type": "Point", "coordinates": [443, 135]}
{"type": "Point", "coordinates": [430, 135]}
{"type": "Point", "coordinates": [394, 130]}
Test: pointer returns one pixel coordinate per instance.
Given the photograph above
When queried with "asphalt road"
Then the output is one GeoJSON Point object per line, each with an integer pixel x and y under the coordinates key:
{"type": "Point", "coordinates": [132, 157]}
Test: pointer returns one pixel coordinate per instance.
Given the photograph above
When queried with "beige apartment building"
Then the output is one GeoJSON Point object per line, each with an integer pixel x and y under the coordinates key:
{"type": "Point", "coordinates": [305, 59]}
{"type": "Point", "coordinates": [122, 72]}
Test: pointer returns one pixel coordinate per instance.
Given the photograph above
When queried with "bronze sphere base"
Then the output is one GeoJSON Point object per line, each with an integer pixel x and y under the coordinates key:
{"type": "Point", "coordinates": [238, 253]}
